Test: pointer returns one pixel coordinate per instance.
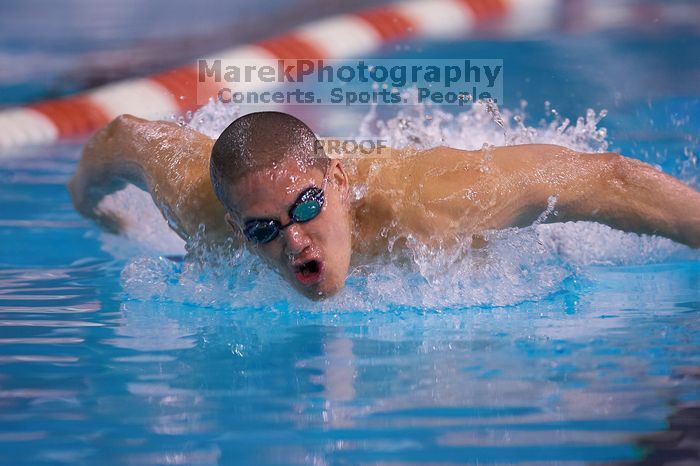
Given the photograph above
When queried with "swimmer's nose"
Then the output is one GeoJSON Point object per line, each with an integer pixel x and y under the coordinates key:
{"type": "Point", "coordinates": [296, 240]}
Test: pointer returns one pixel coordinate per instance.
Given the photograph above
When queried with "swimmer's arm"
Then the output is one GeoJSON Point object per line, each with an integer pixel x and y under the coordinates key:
{"type": "Point", "coordinates": [169, 161]}
{"type": "Point", "coordinates": [618, 191]}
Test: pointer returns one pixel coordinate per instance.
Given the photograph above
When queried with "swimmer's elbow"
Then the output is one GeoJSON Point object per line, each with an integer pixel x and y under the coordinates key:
{"type": "Point", "coordinates": [107, 140]}
{"type": "Point", "coordinates": [122, 126]}
{"type": "Point", "coordinates": [610, 178]}
{"type": "Point", "coordinates": [126, 120]}
{"type": "Point", "coordinates": [633, 177]}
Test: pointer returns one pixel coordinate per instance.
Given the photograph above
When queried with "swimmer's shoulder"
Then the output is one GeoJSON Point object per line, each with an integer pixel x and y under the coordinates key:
{"type": "Point", "coordinates": [391, 166]}
{"type": "Point", "coordinates": [376, 164]}
{"type": "Point", "coordinates": [441, 159]}
{"type": "Point", "coordinates": [511, 156]}
{"type": "Point", "coordinates": [400, 165]}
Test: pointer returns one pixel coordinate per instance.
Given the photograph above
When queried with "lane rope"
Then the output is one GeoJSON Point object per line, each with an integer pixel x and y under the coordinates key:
{"type": "Point", "coordinates": [348, 35]}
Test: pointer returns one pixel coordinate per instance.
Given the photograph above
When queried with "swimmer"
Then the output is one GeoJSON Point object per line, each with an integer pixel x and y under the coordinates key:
{"type": "Point", "coordinates": [267, 183]}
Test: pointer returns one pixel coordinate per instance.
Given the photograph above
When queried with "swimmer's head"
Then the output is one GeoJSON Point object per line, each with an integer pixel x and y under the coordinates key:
{"type": "Point", "coordinates": [263, 168]}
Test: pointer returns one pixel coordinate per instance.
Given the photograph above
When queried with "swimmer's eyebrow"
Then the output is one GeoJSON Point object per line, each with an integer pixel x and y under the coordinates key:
{"type": "Point", "coordinates": [301, 191]}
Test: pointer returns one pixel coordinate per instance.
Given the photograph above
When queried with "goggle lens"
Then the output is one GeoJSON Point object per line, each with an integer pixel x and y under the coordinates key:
{"type": "Point", "coordinates": [307, 207]}
{"type": "Point", "coordinates": [306, 211]}
{"type": "Point", "coordinates": [262, 232]}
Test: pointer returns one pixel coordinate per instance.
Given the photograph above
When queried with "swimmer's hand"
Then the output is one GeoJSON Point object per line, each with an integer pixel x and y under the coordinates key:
{"type": "Point", "coordinates": [86, 201]}
{"type": "Point", "coordinates": [167, 160]}
{"type": "Point", "coordinates": [94, 179]}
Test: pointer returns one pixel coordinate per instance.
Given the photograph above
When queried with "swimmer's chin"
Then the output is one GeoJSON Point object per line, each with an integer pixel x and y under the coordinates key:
{"type": "Point", "coordinates": [320, 294]}
{"type": "Point", "coordinates": [320, 291]}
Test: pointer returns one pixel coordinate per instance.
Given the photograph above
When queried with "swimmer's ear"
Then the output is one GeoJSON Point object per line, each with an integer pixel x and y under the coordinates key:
{"type": "Point", "coordinates": [338, 176]}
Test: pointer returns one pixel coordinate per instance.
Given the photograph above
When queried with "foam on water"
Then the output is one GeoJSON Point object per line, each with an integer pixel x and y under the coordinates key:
{"type": "Point", "coordinates": [526, 264]}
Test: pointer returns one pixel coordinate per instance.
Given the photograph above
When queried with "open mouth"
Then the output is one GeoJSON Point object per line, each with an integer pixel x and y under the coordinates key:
{"type": "Point", "coordinates": [309, 272]}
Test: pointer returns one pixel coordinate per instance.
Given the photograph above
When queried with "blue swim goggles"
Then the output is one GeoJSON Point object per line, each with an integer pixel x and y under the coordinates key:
{"type": "Point", "coordinates": [307, 207]}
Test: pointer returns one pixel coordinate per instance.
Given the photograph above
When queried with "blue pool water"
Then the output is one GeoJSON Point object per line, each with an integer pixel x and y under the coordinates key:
{"type": "Point", "coordinates": [567, 343]}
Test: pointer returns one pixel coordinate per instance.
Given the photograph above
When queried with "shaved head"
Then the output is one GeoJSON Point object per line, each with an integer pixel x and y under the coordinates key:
{"type": "Point", "coordinates": [259, 141]}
